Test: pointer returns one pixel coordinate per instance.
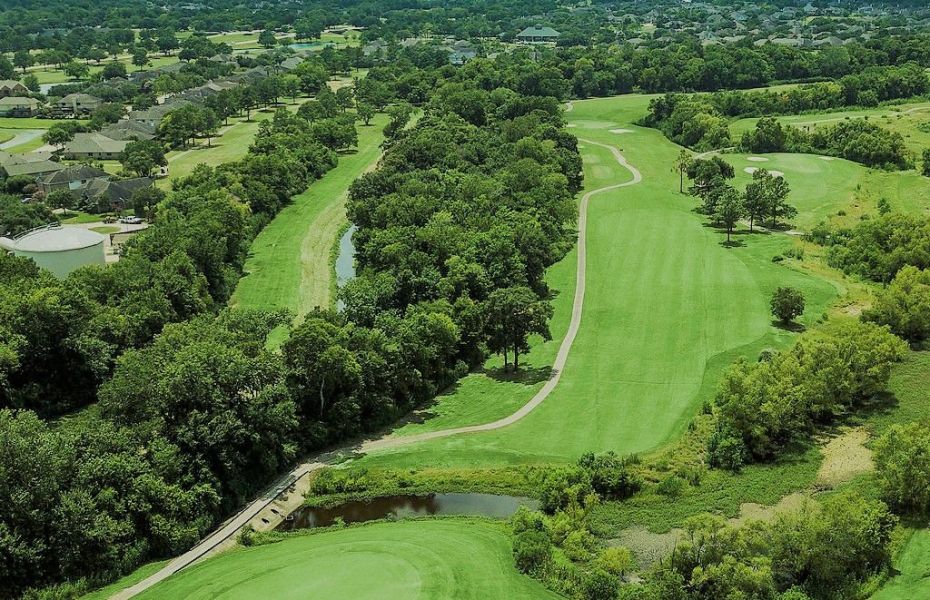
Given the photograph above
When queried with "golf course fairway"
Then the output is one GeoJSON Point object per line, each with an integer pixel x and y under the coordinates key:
{"type": "Point", "coordinates": [289, 264]}
{"type": "Point", "coordinates": [426, 560]}
{"type": "Point", "coordinates": [666, 309]}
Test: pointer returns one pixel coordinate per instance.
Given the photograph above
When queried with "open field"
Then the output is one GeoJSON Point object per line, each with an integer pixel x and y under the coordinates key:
{"type": "Point", "coordinates": [289, 263]}
{"type": "Point", "coordinates": [912, 580]}
{"type": "Point", "coordinates": [433, 559]}
{"type": "Point", "coordinates": [667, 308]}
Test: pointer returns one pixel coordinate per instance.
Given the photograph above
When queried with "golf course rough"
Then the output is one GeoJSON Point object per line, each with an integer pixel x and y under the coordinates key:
{"type": "Point", "coordinates": [666, 309]}
{"type": "Point", "coordinates": [432, 559]}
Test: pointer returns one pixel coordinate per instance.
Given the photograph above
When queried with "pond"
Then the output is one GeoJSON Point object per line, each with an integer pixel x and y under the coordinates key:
{"type": "Point", "coordinates": [345, 261]}
{"type": "Point", "coordinates": [404, 506]}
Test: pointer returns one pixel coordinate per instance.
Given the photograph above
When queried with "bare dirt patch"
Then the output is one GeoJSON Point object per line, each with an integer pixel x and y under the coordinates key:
{"type": "Point", "coordinates": [844, 457]}
{"type": "Point", "coordinates": [621, 131]}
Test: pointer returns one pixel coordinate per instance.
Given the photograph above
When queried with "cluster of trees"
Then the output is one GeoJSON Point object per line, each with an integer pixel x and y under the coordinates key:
{"type": "Point", "coordinates": [456, 228]}
{"type": "Point", "coordinates": [878, 248]}
{"type": "Point", "coordinates": [822, 551]}
{"type": "Point", "coordinates": [761, 408]}
{"type": "Point", "coordinates": [765, 197]}
{"type": "Point", "coordinates": [904, 305]}
{"type": "Point", "coordinates": [858, 140]}
{"type": "Point", "coordinates": [144, 477]}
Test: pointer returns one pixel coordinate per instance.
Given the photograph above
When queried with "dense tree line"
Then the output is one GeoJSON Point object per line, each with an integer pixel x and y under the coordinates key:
{"type": "Point", "coordinates": [858, 140]}
{"type": "Point", "coordinates": [456, 228]}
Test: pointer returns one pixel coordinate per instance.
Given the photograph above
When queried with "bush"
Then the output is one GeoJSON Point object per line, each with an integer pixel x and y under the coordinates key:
{"type": "Point", "coordinates": [600, 585]}
{"type": "Point", "coordinates": [672, 486]}
{"type": "Point", "coordinates": [611, 476]}
{"type": "Point", "coordinates": [726, 450]}
{"type": "Point", "coordinates": [532, 551]}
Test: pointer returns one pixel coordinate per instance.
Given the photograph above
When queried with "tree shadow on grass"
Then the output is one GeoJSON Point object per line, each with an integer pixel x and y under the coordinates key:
{"type": "Point", "coordinates": [790, 326]}
{"type": "Point", "coordinates": [733, 243]}
{"type": "Point", "coordinates": [525, 375]}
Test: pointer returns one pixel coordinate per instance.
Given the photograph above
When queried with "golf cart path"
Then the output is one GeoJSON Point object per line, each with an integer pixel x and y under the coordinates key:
{"type": "Point", "coordinates": [232, 526]}
{"type": "Point", "coordinates": [24, 136]}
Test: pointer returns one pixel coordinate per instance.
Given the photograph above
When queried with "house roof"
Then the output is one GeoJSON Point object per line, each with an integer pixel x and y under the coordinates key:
{"type": "Point", "coordinates": [31, 168]}
{"type": "Point", "coordinates": [11, 84]}
{"type": "Point", "coordinates": [79, 97]}
{"type": "Point", "coordinates": [119, 190]}
{"type": "Point", "coordinates": [539, 31]}
{"type": "Point", "coordinates": [18, 101]}
{"type": "Point", "coordinates": [7, 158]}
{"type": "Point", "coordinates": [72, 173]}
{"type": "Point", "coordinates": [127, 129]}
{"type": "Point", "coordinates": [94, 143]}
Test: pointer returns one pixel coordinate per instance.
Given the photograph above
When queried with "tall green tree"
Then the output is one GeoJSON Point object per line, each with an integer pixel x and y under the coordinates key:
{"type": "Point", "coordinates": [513, 314]}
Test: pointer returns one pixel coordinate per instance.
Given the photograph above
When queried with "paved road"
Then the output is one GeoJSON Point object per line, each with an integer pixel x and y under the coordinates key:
{"type": "Point", "coordinates": [24, 135]}
{"type": "Point", "coordinates": [232, 526]}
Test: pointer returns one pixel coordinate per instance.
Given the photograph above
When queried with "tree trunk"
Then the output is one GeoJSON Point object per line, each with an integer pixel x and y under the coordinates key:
{"type": "Point", "coordinates": [751, 217]}
{"type": "Point", "coordinates": [322, 401]}
{"type": "Point", "coordinates": [506, 363]}
{"type": "Point", "coordinates": [516, 359]}
{"type": "Point", "coordinates": [681, 181]}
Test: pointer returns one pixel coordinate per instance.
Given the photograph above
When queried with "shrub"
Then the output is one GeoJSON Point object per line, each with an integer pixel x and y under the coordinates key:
{"type": "Point", "coordinates": [532, 551]}
{"type": "Point", "coordinates": [672, 486]}
{"type": "Point", "coordinates": [611, 476]}
{"type": "Point", "coordinates": [600, 585]}
{"type": "Point", "coordinates": [726, 450]}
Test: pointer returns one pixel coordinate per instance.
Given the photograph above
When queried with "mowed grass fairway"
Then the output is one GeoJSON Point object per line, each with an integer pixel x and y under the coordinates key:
{"type": "Point", "coordinates": [667, 307]}
{"type": "Point", "coordinates": [912, 580]}
{"type": "Point", "coordinates": [289, 263]}
{"type": "Point", "coordinates": [426, 560]}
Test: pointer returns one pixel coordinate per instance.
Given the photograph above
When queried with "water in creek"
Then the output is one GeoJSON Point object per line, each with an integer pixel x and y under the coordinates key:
{"type": "Point", "coordinates": [399, 507]}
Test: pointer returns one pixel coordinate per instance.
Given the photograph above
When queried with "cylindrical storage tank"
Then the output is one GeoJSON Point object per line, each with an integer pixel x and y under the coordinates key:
{"type": "Point", "coordinates": [61, 249]}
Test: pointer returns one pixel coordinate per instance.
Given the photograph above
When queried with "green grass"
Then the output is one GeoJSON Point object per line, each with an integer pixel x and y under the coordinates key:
{"type": "Point", "coordinates": [129, 580]}
{"type": "Point", "coordinates": [913, 578]}
{"type": "Point", "coordinates": [105, 229]}
{"type": "Point", "coordinates": [289, 263]}
{"type": "Point", "coordinates": [427, 559]}
{"type": "Point", "coordinates": [667, 308]}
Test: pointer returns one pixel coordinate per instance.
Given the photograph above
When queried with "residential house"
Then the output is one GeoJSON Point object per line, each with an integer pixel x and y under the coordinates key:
{"type": "Point", "coordinates": [112, 195]}
{"type": "Point", "coordinates": [153, 116]}
{"type": "Point", "coordinates": [93, 146]}
{"type": "Point", "coordinates": [17, 106]}
{"type": "Point", "coordinates": [538, 35]}
{"type": "Point", "coordinates": [30, 164]}
{"type": "Point", "coordinates": [9, 87]}
{"type": "Point", "coordinates": [76, 105]}
{"type": "Point", "coordinates": [126, 130]}
{"type": "Point", "coordinates": [291, 63]}
{"type": "Point", "coordinates": [72, 179]}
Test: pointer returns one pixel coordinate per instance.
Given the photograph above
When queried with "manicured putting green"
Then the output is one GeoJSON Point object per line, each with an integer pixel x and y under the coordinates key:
{"type": "Point", "coordinates": [427, 560]}
{"type": "Point", "coordinates": [912, 580]}
{"type": "Point", "coordinates": [667, 307]}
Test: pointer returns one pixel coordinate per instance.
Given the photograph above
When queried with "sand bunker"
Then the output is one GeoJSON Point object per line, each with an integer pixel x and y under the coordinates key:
{"type": "Point", "coordinates": [827, 158]}
{"type": "Point", "coordinates": [621, 131]}
{"type": "Point", "coordinates": [752, 170]}
{"type": "Point", "coordinates": [757, 159]}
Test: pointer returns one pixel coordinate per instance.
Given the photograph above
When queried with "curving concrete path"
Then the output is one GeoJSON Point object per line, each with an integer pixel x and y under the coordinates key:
{"type": "Point", "coordinates": [24, 135]}
{"type": "Point", "coordinates": [232, 526]}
